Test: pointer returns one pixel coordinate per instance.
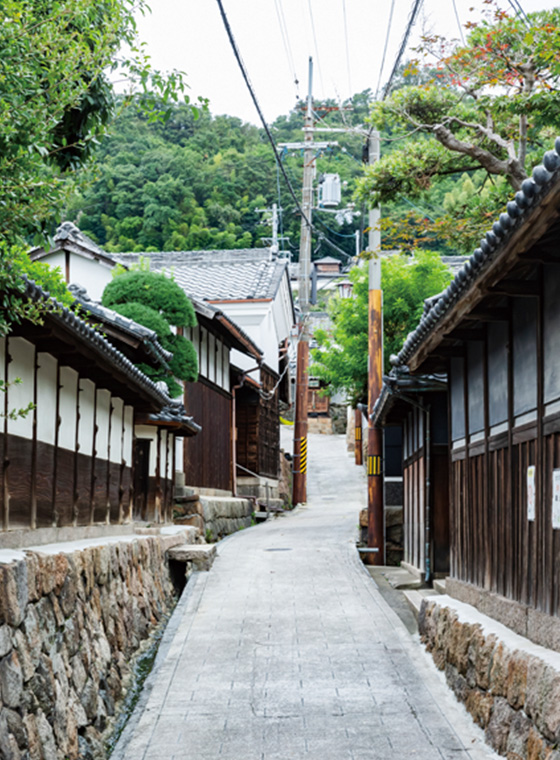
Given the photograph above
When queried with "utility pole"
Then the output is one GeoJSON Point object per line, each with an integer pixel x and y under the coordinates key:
{"type": "Point", "coordinates": [299, 495]}
{"type": "Point", "coordinates": [376, 527]}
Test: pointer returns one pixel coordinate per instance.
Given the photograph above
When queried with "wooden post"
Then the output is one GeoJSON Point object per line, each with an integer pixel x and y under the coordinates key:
{"type": "Point", "coordinates": [376, 527]}
{"type": "Point", "coordinates": [299, 494]}
{"type": "Point", "coordinates": [358, 447]}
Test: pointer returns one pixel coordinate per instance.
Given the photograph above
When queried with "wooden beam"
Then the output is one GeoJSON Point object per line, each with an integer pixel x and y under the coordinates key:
{"type": "Point", "coordinates": [516, 288]}
{"type": "Point", "coordinates": [466, 334]}
{"type": "Point", "coordinates": [488, 315]}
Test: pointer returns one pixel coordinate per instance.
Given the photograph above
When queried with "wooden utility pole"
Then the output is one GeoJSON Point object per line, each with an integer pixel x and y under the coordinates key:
{"type": "Point", "coordinates": [376, 526]}
{"type": "Point", "coordinates": [299, 494]}
{"type": "Point", "coordinates": [358, 444]}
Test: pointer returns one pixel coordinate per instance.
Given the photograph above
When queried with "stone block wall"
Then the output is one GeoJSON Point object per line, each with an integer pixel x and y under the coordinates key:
{"type": "Point", "coordinates": [69, 625]}
{"type": "Point", "coordinates": [509, 685]}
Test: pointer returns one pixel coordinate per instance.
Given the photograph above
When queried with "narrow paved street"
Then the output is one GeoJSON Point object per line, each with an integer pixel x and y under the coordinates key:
{"type": "Point", "coordinates": [286, 650]}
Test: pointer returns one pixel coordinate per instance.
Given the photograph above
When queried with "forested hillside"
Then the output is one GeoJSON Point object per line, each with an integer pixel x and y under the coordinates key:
{"type": "Point", "coordinates": [204, 183]}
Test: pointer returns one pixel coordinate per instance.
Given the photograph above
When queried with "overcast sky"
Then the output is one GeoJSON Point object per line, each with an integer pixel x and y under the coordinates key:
{"type": "Point", "coordinates": [276, 37]}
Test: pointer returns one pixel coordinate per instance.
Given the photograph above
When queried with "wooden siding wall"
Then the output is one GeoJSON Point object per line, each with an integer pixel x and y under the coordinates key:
{"type": "Point", "coordinates": [269, 426]}
{"type": "Point", "coordinates": [495, 544]}
{"type": "Point", "coordinates": [258, 428]}
{"type": "Point", "coordinates": [69, 461]}
{"type": "Point", "coordinates": [207, 456]}
{"type": "Point", "coordinates": [415, 489]}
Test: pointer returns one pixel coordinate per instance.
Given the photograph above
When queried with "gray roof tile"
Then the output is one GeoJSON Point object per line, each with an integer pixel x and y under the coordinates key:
{"type": "Point", "coordinates": [246, 274]}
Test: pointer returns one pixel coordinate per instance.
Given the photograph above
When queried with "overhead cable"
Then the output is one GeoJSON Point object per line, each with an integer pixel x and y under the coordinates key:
{"type": "Point", "coordinates": [260, 113]}
{"type": "Point", "coordinates": [458, 22]}
{"type": "Point", "coordinates": [404, 42]}
{"type": "Point", "coordinates": [316, 45]}
{"type": "Point", "coordinates": [516, 5]}
{"type": "Point", "coordinates": [267, 129]}
{"type": "Point", "coordinates": [385, 47]}
{"type": "Point", "coordinates": [286, 42]}
{"type": "Point", "coordinates": [350, 91]}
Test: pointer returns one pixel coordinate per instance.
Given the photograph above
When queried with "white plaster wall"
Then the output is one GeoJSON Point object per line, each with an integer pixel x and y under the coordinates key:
{"type": "Point", "coordinates": [86, 400]}
{"type": "Point", "coordinates": [102, 420]}
{"type": "Point", "coordinates": [162, 453]}
{"type": "Point", "coordinates": [219, 359]}
{"type": "Point", "coordinates": [128, 435]}
{"type": "Point", "coordinates": [211, 358]}
{"type": "Point", "coordinates": [170, 444]}
{"type": "Point", "coordinates": [68, 408]}
{"type": "Point", "coordinates": [20, 394]}
{"type": "Point", "coordinates": [46, 398]}
{"type": "Point", "coordinates": [115, 454]}
{"type": "Point", "coordinates": [90, 273]}
{"type": "Point", "coordinates": [225, 368]}
{"type": "Point", "coordinates": [203, 357]}
{"type": "Point", "coordinates": [145, 431]}
{"type": "Point", "coordinates": [56, 260]}
{"type": "Point", "coordinates": [179, 448]}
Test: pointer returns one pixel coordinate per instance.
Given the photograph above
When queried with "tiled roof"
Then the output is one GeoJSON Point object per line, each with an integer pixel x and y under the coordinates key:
{"type": "Point", "coordinates": [107, 353]}
{"type": "Point", "coordinates": [236, 275]}
{"type": "Point", "coordinates": [532, 192]}
{"type": "Point", "coordinates": [148, 337]}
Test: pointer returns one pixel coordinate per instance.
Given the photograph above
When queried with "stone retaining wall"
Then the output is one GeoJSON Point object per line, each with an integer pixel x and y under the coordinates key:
{"type": "Point", "coordinates": [509, 685]}
{"type": "Point", "coordinates": [70, 621]}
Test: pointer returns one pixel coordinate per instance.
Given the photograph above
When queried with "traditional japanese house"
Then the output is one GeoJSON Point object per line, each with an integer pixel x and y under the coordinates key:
{"type": "Point", "coordinates": [495, 333]}
{"type": "Point", "coordinates": [71, 460]}
{"type": "Point", "coordinates": [252, 287]}
{"type": "Point", "coordinates": [417, 406]}
{"type": "Point", "coordinates": [209, 461]}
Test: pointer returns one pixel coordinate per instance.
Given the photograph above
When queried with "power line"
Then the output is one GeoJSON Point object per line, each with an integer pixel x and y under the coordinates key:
{"type": "Point", "coordinates": [411, 20]}
{"type": "Point", "coordinates": [257, 106]}
{"type": "Point", "coordinates": [385, 47]}
{"type": "Point", "coordinates": [286, 42]}
{"type": "Point", "coordinates": [516, 5]}
{"type": "Point", "coordinates": [316, 45]}
{"type": "Point", "coordinates": [347, 48]}
{"type": "Point", "coordinates": [458, 22]}
{"type": "Point", "coordinates": [267, 129]}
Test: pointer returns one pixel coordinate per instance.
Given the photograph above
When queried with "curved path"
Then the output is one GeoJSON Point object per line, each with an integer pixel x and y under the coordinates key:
{"type": "Point", "coordinates": [286, 650]}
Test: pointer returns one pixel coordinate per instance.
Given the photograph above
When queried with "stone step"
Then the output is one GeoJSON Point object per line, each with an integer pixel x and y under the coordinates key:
{"type": "Point", "coordinates": [200, 556]}
{"type": "Point", "coordinates": [439, 586]}
{"type": "Point", "coordinates": [414, 599]}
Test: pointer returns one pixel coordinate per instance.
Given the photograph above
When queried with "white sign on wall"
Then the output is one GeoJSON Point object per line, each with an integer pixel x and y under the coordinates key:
{"type": "Point", "coordinates": [531, 492]}
{"type": "Point", "coordinates": [556, 498]}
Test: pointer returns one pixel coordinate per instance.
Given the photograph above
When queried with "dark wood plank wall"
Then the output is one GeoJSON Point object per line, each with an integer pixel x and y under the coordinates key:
{"type": "Point", "coordinates": [416, 497]}
{"type": "Point", "coordinates": [207, 456]}
{"type": "Point", "coordinates": [269, 426]}
{"type": "Point", "coordinates": [494, 544]}
{"type": "Point", "coordinates": [46, 485]}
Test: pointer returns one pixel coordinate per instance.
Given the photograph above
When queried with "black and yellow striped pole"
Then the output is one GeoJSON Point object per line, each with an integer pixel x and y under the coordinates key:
{"type": "Point", "coordinates": [358, 444]}
{"type": "Point", "coordinates": [299, 464]}
{"type": "Point", "coordinates": [376, 527]}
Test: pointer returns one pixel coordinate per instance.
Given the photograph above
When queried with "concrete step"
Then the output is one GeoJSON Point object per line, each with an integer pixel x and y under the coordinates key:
{"type": "Point", "coordinates": [439, 586]}
{"type": "Point", "coordinates": [200, 556]}
{"type": "Point", "coordinates": [414, 599]}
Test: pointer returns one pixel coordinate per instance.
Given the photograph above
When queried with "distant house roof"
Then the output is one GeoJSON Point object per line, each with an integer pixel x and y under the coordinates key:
{"type": "Point", "coordinates": [69, 238]}
{"type": "Point", "coordinates": [232, 275]}
{"type": "Point", "coordinates": [328, 260]}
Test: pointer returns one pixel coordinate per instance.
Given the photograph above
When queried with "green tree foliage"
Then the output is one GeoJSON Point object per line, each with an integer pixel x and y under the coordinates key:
{"type": "Point", "coordinates": [157, 302]}
{"type": "Point", "coordinates": [489, 108]}
{"type": "Point", "coordinates": [55, 100]}
{"type": "Point", "coordinates": [15, 268]}
{"type": "Point", "coordinates": [341, 359]}
{"type": "Point", "coordinates": [188, 184]}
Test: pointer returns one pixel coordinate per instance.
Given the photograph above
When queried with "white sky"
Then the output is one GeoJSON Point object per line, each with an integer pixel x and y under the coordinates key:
{"type": "Point", "coordinates": [189, 35]}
